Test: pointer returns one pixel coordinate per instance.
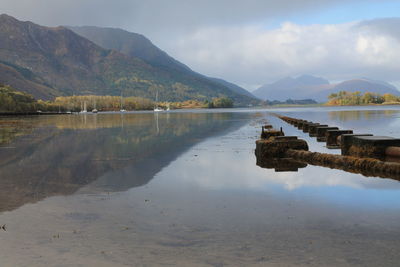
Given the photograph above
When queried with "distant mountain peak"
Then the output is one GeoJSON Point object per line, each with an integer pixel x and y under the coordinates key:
{"type": "Point", "coordinates": [306, 77]}
{"type": "Point", "coordinates": [129, 43]}
{"type": "Point", "coordinates": [6, 16]}
{"type": "Point", "coordinates": [311, 80]}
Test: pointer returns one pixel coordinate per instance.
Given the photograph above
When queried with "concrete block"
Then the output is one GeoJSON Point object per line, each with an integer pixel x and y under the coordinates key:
{"type": "Point", "coordinates": [332, 137]}
{"type": "Point", "coordinates": [306, 126]}
{"type": "Point", "coordinates": [276, 147]}
{"type": "Point", "coordinates": [313, 129]}
{"type": "Point", "coordinates": [321, 133]}
{"type": "Point", "coordinates": [301, 123]}
{"type": "Point", "coordinates": [368, 145]}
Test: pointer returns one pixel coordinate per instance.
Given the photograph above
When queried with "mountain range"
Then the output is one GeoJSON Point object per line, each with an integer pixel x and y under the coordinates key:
{"type": "Point", "coordinates": [310, 87]}
{"type": "Point", "coordinates": [55, 61]}
{"type": "Point", "coordinates": [137, 45]}
{"type": "Point", "coordinates": [47, 62]}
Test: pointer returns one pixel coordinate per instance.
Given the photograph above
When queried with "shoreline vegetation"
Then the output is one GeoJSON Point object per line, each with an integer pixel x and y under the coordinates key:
{"type": "Point", "coordinates": [16, 102]}
{"type": "Point", "coordinates": [344, 98]}
{"type": "Point", "coordinates": [19, 103]}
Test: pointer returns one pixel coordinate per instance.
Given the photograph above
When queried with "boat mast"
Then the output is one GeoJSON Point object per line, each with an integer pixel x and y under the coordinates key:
{"type": "Point", "coordinates": [121, 102]}
{"type": "Point", "coordinates": [157, 99]}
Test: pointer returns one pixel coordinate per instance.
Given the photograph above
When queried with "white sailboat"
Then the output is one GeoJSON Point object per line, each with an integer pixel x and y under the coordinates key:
{"type": "Point", "coordinates": [84, 110]}
{"type": "Point", "coordinates": [157, 108]}
{"type": "Point", "coordinates": [94, 110]}
{"type": "Point", "coordinates": [122, 105]}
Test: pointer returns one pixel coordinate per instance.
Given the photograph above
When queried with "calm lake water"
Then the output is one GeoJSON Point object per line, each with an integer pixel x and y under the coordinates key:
{"type": "Point", "coordinates": [183, 189]}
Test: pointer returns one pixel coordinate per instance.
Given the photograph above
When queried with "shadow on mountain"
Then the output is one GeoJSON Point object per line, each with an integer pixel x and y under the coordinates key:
{"type": "Point", "coordinates": [57, 155]}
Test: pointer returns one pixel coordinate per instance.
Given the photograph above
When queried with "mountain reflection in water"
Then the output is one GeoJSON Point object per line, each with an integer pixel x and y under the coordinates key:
{"type": "Point", "coordinates": [207, 203]}
{"type": "Point", "coordinates": [56, 155]}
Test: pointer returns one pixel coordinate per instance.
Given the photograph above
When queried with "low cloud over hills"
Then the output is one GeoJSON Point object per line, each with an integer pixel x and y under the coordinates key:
{"type": "Point", "coordinates": [310, 87]}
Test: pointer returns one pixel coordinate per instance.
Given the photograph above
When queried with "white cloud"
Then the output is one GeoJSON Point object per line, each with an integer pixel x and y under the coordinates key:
{"type": "Point", "coordinates": [258, 55]}
{"type": "Point", "coordinates": [151, 16]}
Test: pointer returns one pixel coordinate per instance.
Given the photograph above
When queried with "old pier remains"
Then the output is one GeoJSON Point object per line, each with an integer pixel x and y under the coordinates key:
{"type": "Point", "coordinates": [360, 153]}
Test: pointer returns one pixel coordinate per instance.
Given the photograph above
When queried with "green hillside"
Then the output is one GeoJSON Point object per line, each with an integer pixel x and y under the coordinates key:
{"type": "Point", "coordinates": [139, 46]}
{"type": "Point", "coordinates": [58, 62]}
{"type": "Point", "coordinates": [13, 101]}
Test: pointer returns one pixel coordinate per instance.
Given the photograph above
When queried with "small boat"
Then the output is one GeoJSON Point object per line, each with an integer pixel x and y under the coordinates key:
{"type": "Point", "coordinates": [84, 108]}
{"type": "Point", "coordinates": [94, 110]}
{"type": "Point", "coordinates": [122, 105]}
{"type": "Point", "coordinates": [157, 108]}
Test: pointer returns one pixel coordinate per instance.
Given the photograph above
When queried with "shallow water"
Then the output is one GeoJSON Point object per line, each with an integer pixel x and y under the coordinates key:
{"type": "Point", "coordinates": [183, 189]}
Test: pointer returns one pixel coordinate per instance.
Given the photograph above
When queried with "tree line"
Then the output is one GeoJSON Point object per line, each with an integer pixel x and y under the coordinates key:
{"type": "Point", "coordinates": [344, 98]}
{"type": "Point", "coordinates": [218, 102]}
{"type": "Point", "coordinates": [14, 101]}
{"type": "Point", "coordinates": [102, 103]}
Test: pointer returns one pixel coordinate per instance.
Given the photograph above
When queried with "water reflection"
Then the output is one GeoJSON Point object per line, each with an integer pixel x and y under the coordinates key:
{"type": "Point", "coordinates": [209, 206]}
{"type": "Point", "coordinates": [281, 165]}
{"type": "Point", "coordinates": [228, 163]}
{"type": "Point", "coordinates": [57, 155]}
{"type": "Point", "coordinates": [366, 167]}
{"type": "Point", "coordinates": [11, 129]}
{"type": "Point", "coordinates": [356, 115]}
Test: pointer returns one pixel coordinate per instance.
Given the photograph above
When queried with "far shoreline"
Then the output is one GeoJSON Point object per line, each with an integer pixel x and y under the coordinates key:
{"type": "Point", "coordinates": [22, 114]}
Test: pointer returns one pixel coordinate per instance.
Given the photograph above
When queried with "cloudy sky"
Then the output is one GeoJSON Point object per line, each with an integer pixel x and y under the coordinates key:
{"type": "Point", "coordinates": [249, 42]}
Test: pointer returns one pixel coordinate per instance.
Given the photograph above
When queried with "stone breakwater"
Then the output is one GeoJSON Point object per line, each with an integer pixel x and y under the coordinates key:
{"type": "Point", "coordinates": [351, 144]}
{"type": "Point", "coordinates": [363, 153]}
